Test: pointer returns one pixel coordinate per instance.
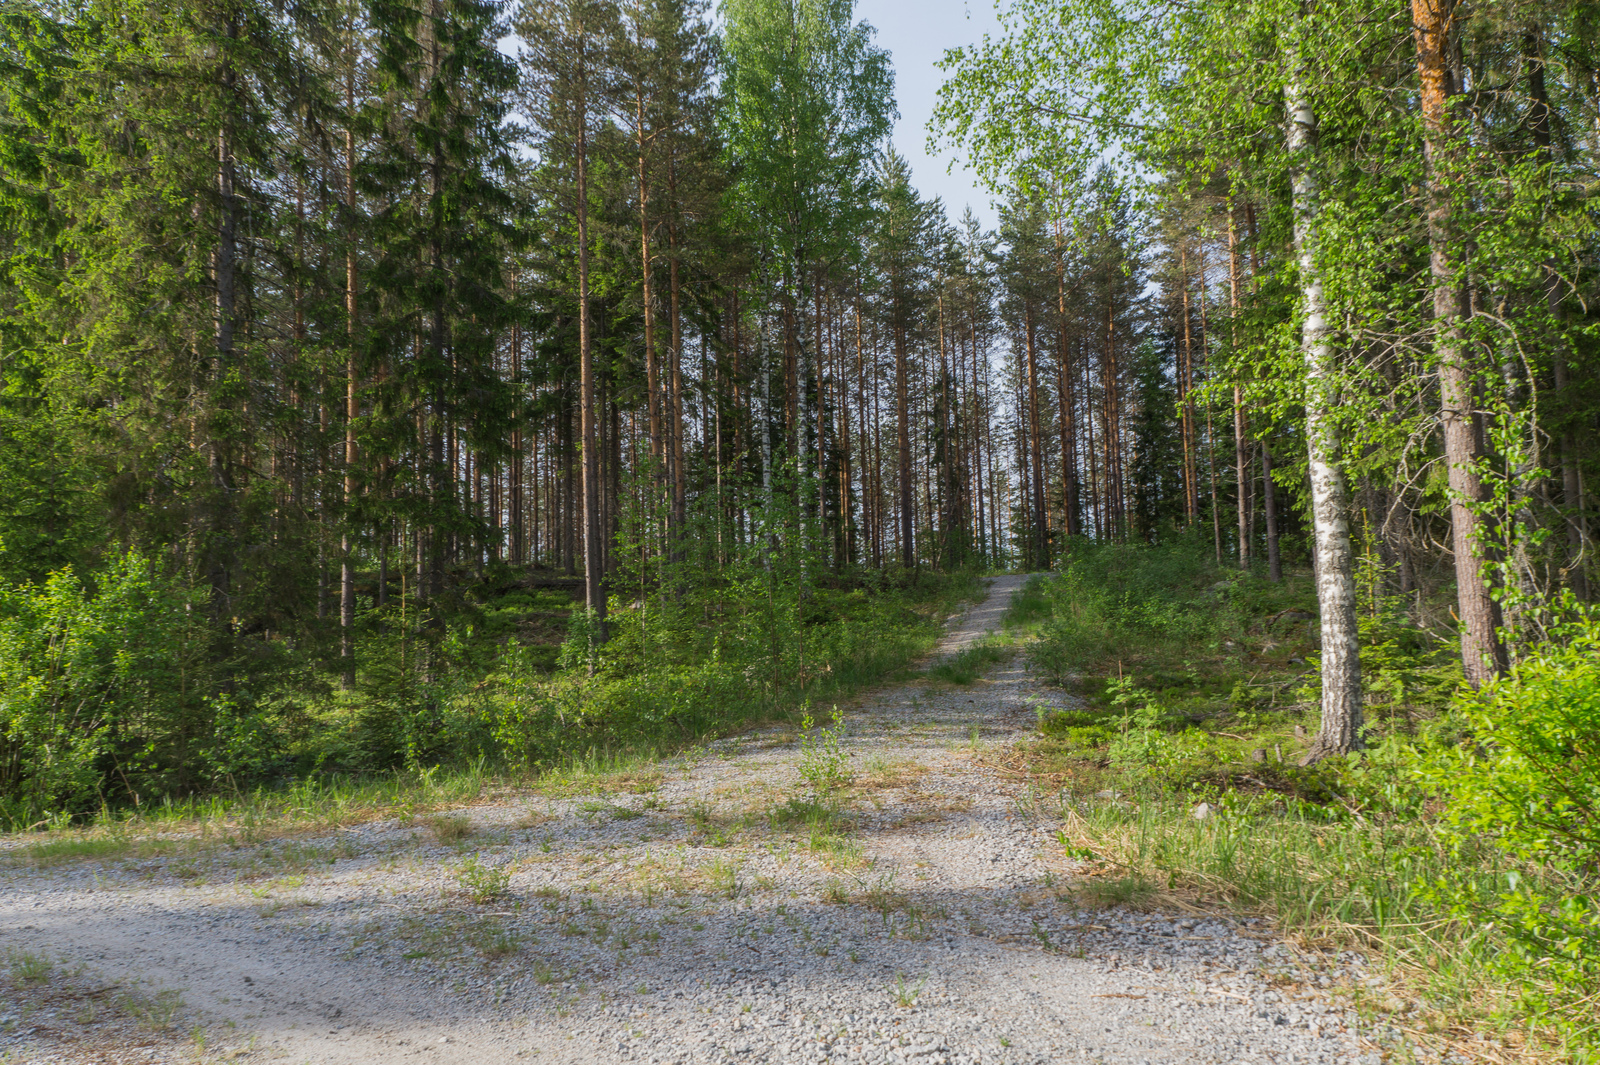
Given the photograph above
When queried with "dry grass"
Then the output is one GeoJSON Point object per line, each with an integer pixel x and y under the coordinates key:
{"type": "Point", "coordinates": [450, 828]}
{"type": "Point", "coordinates": [570, 782]}
{"type": "Point", "coordinates": [1309, 879]}
{"type": "Point", "coordinates": [880, 774]}
{"type": "Point", "coordinates": [75, 1016]}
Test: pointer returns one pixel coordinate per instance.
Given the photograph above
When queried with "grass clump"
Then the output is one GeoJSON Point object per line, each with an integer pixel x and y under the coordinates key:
{"type": "Point", "coordinates": [29, 968]}
{"type": "Point", "coordinates": [450, 828]}
{"type": "Point", "coordinates": [967, 666]}
{"type": "Point", "coordinates": [157, 1012]}
{"type": "Point", "coordinates": [482, 881]}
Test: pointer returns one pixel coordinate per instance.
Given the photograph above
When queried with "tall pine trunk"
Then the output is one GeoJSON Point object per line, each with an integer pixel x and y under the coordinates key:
{"type": "Point", "coordinates": [903, 448]}
{"type": "Point", "coordinates": [347, 573]}
{"type": "Point", "coordinates": [1191, 491]}
{"type": "Point", "coordinates": [1481, 653]}
{"type": "Point", "coordinates": [675, 430]}
{"type": "Point", "coordinates": [1038, 533]}
{"type": "Point", "coordinates": [220, 536]}
{"type": "Point", "coordinates": [652, 367]}
{"type": "Point", "coordinates": [594, 596]}
{"type": "Point", "coordinates": [1069, 451]}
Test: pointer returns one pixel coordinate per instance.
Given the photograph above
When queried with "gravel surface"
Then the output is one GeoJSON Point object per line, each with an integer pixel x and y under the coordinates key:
{"type": "Point", "coordinates": [707, 912]}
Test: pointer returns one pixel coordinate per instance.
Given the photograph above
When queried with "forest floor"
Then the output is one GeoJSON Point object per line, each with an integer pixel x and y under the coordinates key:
{"type": "Point", "coordinates": [899, 897]}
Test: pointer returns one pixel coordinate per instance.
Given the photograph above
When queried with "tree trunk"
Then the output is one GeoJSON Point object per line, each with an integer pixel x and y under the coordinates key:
{"type": "Point", "coordinates": [679, 515]}
{"type": "Point", "coordinates": [1116, 502]}
{"type": "Point", "coordinates": [1069, 451]}
{"type": "Point", "coordinates": [1211, 432]}
{"type": "Point", "coordinates": [1566, 443]}
{"type": "Point", "coordinates": [1039, 534]}
{"type": "Point", "coordinates": [352, 407]}
{"type": "Point", "coordinates": [219, 537]}
{"type": "Point", "coordinates": [1269, 500]}
{"type": "Point", "coordinates": [652, 367]}
{"type": "Point", "coordinates": [1341, 726]}
{"type": "Point", "coordinates": [1241, 463]}
{"type": "Point", "coordinates": [1191, 491]}
{"type": "Point", "coordinates": [1482, 656]}
{"type": "Point", "coordinates": [903, 447]}
{"type": "Point", "coordinates": [514, 491]}
{"type": "Point", "coordinates": [594, 596]}
{"type": "Point", "coordinates": [675, 423]}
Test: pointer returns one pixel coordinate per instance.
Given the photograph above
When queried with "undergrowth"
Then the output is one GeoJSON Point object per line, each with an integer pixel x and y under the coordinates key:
{"type": "Point", "coordinates": [489, 714]}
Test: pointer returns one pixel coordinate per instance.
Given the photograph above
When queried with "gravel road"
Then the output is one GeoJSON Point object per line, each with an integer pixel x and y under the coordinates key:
{"type": "Point", "coordinates": [709, 912]}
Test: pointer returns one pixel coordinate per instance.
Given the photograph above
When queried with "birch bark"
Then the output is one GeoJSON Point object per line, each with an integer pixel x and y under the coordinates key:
{"type": "Point", "coordinates": [1340, 730]}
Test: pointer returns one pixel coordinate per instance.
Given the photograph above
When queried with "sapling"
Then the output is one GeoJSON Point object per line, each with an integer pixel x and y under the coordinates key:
{"type": "Point", "coordinates": [822, 762]}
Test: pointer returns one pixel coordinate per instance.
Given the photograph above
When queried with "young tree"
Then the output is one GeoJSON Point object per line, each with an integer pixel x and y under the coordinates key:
{"type": "Point", "coordinates": [807, 100]}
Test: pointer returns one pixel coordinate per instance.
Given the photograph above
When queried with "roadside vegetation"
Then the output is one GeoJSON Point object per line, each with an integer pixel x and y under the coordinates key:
{"type": "Point", "coordinates": [1460, 846]}
{"type": "Point", "coordinates": [122, 713]}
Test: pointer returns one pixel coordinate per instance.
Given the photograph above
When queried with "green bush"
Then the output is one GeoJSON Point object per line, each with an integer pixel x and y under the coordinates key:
{"type": "Point", "coordinates": [102, 691]}
{"type": "Point", "coordinates": [1145, 749]}
{"type": "Point", "coordinates": [1529, 783]}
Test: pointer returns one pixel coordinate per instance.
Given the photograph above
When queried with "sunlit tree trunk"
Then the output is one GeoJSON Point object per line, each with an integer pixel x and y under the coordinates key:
{"type": "Point", "coordinates": [1340, 730]}
{"type": "Point", "coordinates": [594, 595]}
{"type": "Point", "coordinates": [1481, 653]}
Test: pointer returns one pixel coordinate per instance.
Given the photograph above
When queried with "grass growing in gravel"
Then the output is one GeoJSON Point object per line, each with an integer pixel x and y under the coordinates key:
{"type": "Point", "coordinates": [29, 968]}
{"type": "Point", "coordinates": [1174, 774]}
{"type": "Point", "coordinates": [450, 828]}
{"type": "Point", "coordinates": [967, 666]}
{"type": "Point", "coordinates": [483, 881]}
{"type": "Point", "coordinates": [1029, 606]}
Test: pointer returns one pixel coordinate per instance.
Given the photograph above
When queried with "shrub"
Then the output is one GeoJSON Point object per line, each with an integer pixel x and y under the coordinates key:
{"type": "Point", "coordinates": [1529, 783]}
{"type": "Point", "coordinates": [100, 691]}
{"type": "Point", "coordinates": [822, 761]}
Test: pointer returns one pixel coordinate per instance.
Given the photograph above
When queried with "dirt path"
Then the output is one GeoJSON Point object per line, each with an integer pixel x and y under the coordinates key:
{"type": "Point", "coordinates": [712, 912]}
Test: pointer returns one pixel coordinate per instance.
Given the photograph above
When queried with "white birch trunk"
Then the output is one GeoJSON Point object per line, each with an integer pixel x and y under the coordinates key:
{"type": "Point", "coordinates": [1340, 729]}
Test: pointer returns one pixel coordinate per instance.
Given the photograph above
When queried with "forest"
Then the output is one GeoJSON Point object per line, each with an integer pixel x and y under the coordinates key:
{"type": "Point", "coordinates": [397, 384]}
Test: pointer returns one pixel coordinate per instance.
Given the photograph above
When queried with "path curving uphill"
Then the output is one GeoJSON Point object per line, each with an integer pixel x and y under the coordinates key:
{"type": "Point", "coordinates": [714, 912]}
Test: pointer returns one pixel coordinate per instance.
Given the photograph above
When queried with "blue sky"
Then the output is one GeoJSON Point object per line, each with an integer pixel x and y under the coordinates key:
{"type": "Point", "coordinates": [916, 33]}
